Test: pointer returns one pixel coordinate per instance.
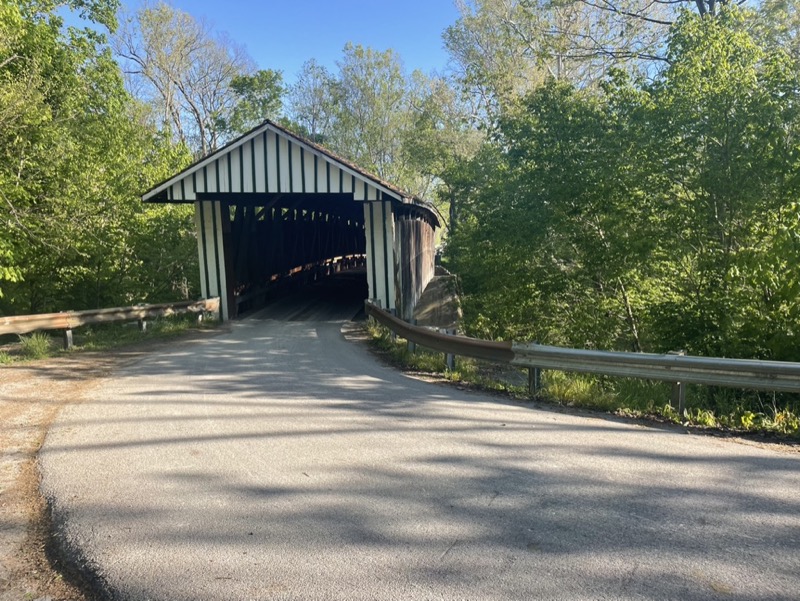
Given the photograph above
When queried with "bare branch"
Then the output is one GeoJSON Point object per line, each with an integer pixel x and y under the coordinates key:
{"type": "Point", "coordinates": [608, 6]}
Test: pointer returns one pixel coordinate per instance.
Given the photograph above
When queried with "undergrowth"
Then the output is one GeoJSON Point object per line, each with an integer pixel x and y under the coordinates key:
{"type": "Point", "coordinates": [706, 406]}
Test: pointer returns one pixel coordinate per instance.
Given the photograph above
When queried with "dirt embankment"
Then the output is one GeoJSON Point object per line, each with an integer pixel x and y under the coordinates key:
{"type": "Point", "coordinates": [31, 395]}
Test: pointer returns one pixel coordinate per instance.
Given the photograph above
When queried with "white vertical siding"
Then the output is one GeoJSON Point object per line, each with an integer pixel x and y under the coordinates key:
{"type": "Point", "coordinates": [261, 173]}
{"type": "Point", "coordinates": [308, 170]}
{"type": "Point", "coordinates": [201, 251]}
{"type": "Point", "coordinates": [388, 249]}
{"type": "Point", "coordinates": [297, 168]}
{"type": "Point", "coordinates": [211, 253]}
{"type": "Point", "coordinates": [380, 252]}
{"type": "Point", "coordinates": [234, 178]}
{"type": "Point", "coordinates": [321, 175]}
{"type": "Point", "coordinates": [369, 212]}
{"type": "Point", "coordinates": [283, 159]}
{"type": "Point", "coordinates": [223, 285]}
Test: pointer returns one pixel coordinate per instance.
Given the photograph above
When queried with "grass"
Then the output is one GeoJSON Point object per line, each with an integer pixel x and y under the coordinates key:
{"type": "Point", "coordinates": [99, 337]}
{"type": "Point", "coordinates": [35, 346]}
{"type": "Point", "coordinates": [707, 407]}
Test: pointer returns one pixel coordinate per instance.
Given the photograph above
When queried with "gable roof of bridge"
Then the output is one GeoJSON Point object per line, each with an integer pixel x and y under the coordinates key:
{"type": "Point", "coordinates": [272, 159]}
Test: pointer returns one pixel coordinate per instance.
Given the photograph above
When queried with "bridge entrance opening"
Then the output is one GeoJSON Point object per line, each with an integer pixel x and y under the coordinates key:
{"type": "Point", "coordinates": [280, 244]}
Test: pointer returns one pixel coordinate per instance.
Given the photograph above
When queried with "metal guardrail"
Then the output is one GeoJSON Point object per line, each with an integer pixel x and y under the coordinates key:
{"type": "Point", "coordinates": [679, 369]}
{"type": "Point", "coordinates": [733, 373]}
{"type": "Point", "coordinates": [67, 320]}
{"type": "Point", "coordinates": [499, 352]}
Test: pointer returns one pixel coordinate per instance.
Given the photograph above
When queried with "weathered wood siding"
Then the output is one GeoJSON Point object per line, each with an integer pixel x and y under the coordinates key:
{"type": "Point", "coordinates": [415, 252]}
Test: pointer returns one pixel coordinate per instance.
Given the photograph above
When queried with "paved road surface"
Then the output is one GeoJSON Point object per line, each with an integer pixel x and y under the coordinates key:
{"type": "Point", "coordinates": [280, 461]}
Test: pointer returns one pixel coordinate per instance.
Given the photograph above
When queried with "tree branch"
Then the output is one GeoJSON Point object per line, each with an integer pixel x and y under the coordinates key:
{"type": "Point", "coordinates": [608, 6]}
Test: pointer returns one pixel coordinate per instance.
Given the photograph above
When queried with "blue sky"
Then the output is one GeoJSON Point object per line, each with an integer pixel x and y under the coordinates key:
{"type": "Point", "coordinates": [283, 34]}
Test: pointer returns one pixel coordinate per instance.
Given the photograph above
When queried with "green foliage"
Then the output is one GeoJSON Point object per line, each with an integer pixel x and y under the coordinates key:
{"type": "Point", "coordinates": [405, 129]}
{"type": "Point", "coordinates": [36, 346]}
{"type": "Point", "coordinates": [75, 152]}
{"type": "Point", "coordinates": [370, 97]}
{"type": "Point", "coordinates": [554, 260]}
{"type": "Point", "coordinates": [258, 97]}
{"type": "Point", "coordinates": [649, 215]}
{"type": "Point", "coordinates": [645, 215]}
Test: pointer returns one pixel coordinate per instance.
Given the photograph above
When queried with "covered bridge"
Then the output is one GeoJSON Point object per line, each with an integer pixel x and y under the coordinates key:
{"type": "Point", "coordinates": [272, 205]}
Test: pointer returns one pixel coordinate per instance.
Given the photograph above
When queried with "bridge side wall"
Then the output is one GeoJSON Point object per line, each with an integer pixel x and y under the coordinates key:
{"type": "Point", "coordinates": [380, 236]}
{"type": "Point", "coordinates": [211, 253]}
{"type": "Point", "coordinates": [415, 253]}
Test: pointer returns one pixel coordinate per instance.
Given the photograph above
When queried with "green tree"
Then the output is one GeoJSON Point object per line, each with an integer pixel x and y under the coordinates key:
{"type": "Point", "coordinates": [312, 99]}
{"type": "Point", "coordinates": [368, 112]}
{"type": "Point", "coordinates": [546, 241]}
{"type": "Point", "coordinates": [645, 215]}
{"type": "Point", "coordinates": [371, 110]}
{"type": "Point", "coordinates": [725, 131]}
{"type": "Point", "coordinates": [73, 158]}
{"type": "Point", "coordinates": [258, 97]}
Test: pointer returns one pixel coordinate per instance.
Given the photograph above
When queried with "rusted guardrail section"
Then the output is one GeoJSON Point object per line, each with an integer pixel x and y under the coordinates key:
{"type": "Point", "coordinates": [499, 352]}
{"type": "Point", "coordinates": [676, 368]}
{"type": "Point", "coordinates": [67, 320]}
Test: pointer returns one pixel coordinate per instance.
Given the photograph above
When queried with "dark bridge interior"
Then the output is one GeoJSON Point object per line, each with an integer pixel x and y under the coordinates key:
{"type": "Point", "coordinates": [275, 243]}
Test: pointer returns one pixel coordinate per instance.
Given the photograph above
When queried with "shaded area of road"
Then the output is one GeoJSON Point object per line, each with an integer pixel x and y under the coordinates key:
{"type": "Point", "coordinates": [281, 461]}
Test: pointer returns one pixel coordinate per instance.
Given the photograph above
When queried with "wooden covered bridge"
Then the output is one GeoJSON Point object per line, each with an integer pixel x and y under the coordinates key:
{"type": "Point", "coordinates": [272, 205]}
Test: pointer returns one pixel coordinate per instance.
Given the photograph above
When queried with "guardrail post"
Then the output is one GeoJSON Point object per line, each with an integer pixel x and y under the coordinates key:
{"type": "Point", "coordinates": [678, 398]}
{"type": "Point", "coordinates": [534, 381]}
{"type": "Point", "coordinates": [377, 303]}
{"type": "Point", "coordinates": [142, 325]}
{"type": "Point", "coordinates": [412, 346]}
{"type": "Point", "coordinates": [394, 336]}
{"type": "Point", "coordinates": [67, 339]}
{"type": "Point", "coordinates": [450, 358]}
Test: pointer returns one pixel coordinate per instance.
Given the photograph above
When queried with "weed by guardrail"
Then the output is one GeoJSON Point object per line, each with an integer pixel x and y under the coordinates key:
{"type": "Point", "coordinates": [35, 346]}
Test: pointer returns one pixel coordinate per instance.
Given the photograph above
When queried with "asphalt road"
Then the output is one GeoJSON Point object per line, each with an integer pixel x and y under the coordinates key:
{"type": "Point", "coordinates": [281, 461]}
